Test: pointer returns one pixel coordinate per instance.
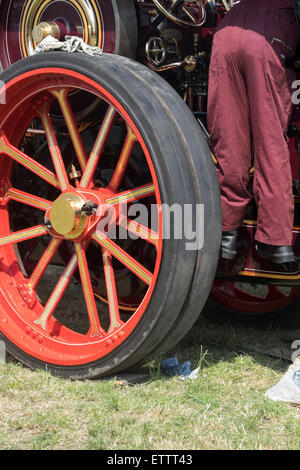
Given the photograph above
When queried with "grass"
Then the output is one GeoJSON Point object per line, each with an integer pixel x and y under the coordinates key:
{"type": "Point", "coordinates": [224, 408]}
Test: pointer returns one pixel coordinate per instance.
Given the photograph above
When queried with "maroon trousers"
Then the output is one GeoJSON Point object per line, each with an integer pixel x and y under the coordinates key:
{"type": "Point", "coordinates": [249, 106]}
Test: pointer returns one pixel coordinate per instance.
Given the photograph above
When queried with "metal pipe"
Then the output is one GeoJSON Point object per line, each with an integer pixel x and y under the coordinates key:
{"type": "Point", "coordinates": [164, 68]}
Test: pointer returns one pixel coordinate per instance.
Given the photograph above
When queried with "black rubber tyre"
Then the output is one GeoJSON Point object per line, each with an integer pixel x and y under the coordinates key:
{"type": "Point", "coordinates": [126, 28]}
{"type": "Point", "coordinates": [185, 175]}
{"type": "Point", "coordinates": [207, 192]}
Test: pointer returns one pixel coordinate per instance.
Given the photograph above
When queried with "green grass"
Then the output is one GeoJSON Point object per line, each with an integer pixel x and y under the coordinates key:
{"type": "Point", "coordinates": [224, 408]}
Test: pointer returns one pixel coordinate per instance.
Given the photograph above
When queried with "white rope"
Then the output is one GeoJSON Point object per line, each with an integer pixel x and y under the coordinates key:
{"type": "Point", "coordinates": [71, 44]}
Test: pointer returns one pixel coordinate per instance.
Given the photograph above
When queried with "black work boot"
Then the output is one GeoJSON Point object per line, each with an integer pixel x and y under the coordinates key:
{"type": "Point", "coordinates": [228, 247]}
{"type": "Point", "coordinates": [277, 254]}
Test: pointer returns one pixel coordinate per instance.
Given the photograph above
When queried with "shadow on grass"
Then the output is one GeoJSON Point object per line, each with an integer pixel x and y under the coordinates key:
{"type": "Point", "coordinates": [219, 338]}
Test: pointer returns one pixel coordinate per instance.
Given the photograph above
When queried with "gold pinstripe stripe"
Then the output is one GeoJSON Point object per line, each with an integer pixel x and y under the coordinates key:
{"type": "Point", "coordinates": [23, 235]}
{"type": "Point", "coordinates": [18, 196]}
{"type": "Point", "coordinates": [269, 276]}
{"type": "Point", "coordinates": [113, 308]}
{"type": "Point", "coordinates": [109, 287]}
{"type": "Point", "coordinates": [44, 261]}
{"type": "Point", "coordinates": [28, 162]}
{"type": "Point", "coordinates": [147, 190]}
{"type": "Point", "coordinates": [56, 157]}
{"type": "Point", "coordinates": [83, 16]}
{"type": "Point", "coordinates": [214, 158]}
{"type": "Point", "coordinates": [253, 223]}
{"type": "Point", "coordinates": [76, 3]}
{"type": "Point", "coordinates": [100, 34]}
{"type": "Point", "coordinates": [143, 233]}
{"type": "Point", "coordinates": [60, 95]}
{"type": "Point", "coordinates": [100, 140]}
{"type": "Point", "coordinates": [56, 293]}
{"type": "Point", "coordinates": [83, 273]}
{"type": "Point", "coordinates": [125, 155]}
{"type": "Point", "coordinates": [86, 290]}
{"type": "Point", "coordinates": [23, 29]}
{"type": "Point", "coordinates": [131, 264]}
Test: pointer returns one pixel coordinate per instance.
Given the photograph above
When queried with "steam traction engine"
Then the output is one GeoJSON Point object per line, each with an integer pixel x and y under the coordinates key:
{"type": "Point", "coordinates": [87, 287]}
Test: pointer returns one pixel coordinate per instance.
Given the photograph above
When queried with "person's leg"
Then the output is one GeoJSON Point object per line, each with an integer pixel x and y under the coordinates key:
{"type": "Point", "coordinates": [270, 101]}
{"type": "Point", "coordinates": [228, 123]}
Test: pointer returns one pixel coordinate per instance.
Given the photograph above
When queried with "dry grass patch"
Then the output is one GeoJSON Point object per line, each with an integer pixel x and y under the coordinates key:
{"type": "Point", "coordinates": [224, 408]}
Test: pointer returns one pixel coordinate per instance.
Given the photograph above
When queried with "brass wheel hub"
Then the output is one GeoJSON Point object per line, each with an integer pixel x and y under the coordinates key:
{"type": "Point", "coordinates": [66, 216]}
{"type": "Point", "coordinates": [45, 29]}
{"type": "Point", "coordinates": [37, 16]}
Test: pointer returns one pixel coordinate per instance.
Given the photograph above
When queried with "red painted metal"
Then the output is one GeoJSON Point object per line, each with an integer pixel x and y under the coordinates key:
{"type": "Point", "coordinates": [24, 320]}
{"type": "Point", "coordinates": [247, 266]}
{"type": "Point", "coordinates": [238, 298]}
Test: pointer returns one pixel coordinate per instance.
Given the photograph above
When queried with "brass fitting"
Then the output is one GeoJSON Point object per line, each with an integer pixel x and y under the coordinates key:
{"type": "Point", "coordinates": [190, 63]}
{"type": "Point", "coordinates": [45, 29]}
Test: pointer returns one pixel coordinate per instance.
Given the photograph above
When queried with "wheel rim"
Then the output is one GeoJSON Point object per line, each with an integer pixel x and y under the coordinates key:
{"type": "Point", "coordinates": [79, 12]}
{"type": "Point", "coordinates": [129, 295]}
{"type": "Point", "coordinates": [83, 18]}
{"type": "Point", "coordinates": [241, 298]}
{"type": "Point", "coordinates": [191, 14]}
{"type": "Point", "coordinates": [29, 323]}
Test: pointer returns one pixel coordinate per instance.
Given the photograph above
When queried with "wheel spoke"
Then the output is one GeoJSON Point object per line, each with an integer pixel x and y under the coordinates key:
{"type": "Point", "coordinates": [189, 14]}
{"type": "Point", "coordinates": [115, 320]}
{"type": "Point", "coordinates": [132, 195]}
{"type": "Point", "coordinates": [58, 292]}
{"type": "Point", "coordinates": [28, 199]}
{"type": "Point", "coordinates": [62, 97]}
{"type": "Point", "coordinates": [20, 157]}
{"type": "Point", "coordinates": [43, 263]}
{"type": "Point", "coordinates": [274, 293]}
{"type": "Point", "coordinates": [23, 235]}
{"type": "Point", "coordinates": [96, 329]}
{"type": "Point", "coordinates": [98, 147]}
{"type": "Point", "coordinates": [124, 257]}
{"type": "Point", "coordinates": [139, 230]}
{"type": "Point", "coordinates": [123, 160]}
{"type": "Point", "coordinates": [54, 148]}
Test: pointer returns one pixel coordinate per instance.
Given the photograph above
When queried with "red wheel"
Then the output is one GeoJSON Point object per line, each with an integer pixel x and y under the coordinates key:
{"type": "Point", "coordinates": [243, 298]}
{"type": "Point", "coordinates": [46, 320]}
{"type": "Point", "coordinates": [107, 24]}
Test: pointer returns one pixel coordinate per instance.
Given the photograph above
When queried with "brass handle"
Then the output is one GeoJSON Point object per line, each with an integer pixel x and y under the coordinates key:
{"type": "Point", "coordinates": [282, 43]}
